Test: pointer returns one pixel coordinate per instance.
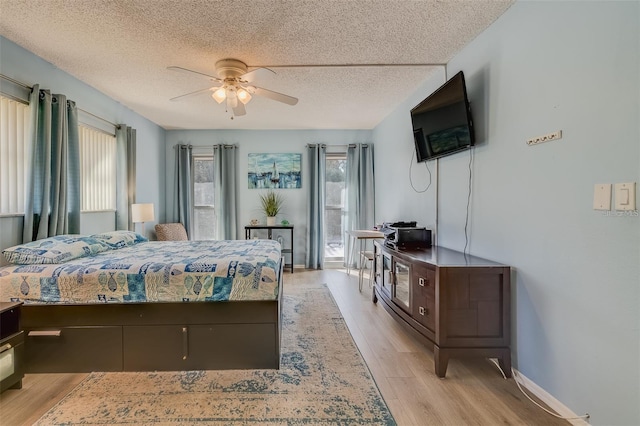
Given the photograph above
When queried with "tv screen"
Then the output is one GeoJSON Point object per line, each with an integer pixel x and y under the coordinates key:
{"type": "Point", "coordinates": [442, 123]}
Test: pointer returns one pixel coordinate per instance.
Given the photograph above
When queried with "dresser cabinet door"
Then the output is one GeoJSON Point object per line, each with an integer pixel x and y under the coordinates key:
{"type": "Point", "coordinates": [382, 270]}
{"type": "Point", "coordinates": [423, 282]}
{"type": "Point", "coordinates": [402, 284]}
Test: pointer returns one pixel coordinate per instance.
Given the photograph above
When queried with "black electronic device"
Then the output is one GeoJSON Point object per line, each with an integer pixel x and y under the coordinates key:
{"type": "Point", "coordinates": [389, 228]}
{"type": "Point", "coordinates": [406, 235]}
{"type": "Point", "coordinates": [442, 123]}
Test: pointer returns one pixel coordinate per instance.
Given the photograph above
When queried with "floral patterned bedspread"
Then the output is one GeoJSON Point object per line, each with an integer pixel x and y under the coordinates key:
{"type": "Point", "coordinates": [157, 271]}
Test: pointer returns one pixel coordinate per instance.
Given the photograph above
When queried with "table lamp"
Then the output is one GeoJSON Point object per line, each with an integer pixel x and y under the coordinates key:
{"type": "Point", "coordinates": [142, 213]}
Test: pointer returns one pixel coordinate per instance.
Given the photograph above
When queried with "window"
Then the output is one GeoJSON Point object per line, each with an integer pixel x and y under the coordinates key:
{"type": "Point", "coordinates": [97, 162]}
{"type": "Point", "coordinates": [204, 214]}
{"type": "Point", "coordinates": [334, 210]}
{"type": "Point", "coordinates": [14, 134]}
{"type": "Point", "coordinates": [97, 170]}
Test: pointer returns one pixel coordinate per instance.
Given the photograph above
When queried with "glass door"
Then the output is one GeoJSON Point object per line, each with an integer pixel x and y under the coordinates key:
{"type": "Point", "coordinates": [383, 271]}
{"type": "Point", "coordinates": [334, 209]}
{"type": "Point", "coordinates": [401, 285]}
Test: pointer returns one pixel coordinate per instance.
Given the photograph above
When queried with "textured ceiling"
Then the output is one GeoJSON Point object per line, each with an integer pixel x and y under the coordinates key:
{"type": "Point", "coordinates": [123, 49]}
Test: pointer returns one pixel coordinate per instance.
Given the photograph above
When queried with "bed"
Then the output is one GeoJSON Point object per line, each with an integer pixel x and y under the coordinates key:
{"type": "Point", "coordinates": [116, 302]}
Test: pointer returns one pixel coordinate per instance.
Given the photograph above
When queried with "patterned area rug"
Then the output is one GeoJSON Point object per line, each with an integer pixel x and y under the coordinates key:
{"type": "Point", "coordinates": [322, 380]}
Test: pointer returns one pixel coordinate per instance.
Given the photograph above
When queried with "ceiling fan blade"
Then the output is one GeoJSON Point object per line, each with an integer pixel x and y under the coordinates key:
{"type": "Point", "coordinates": [197, 92]}
{"type": "Point", "coordinates": [188, 71]}
{"type": "Point", "coordinates": [239, 109]}
{"type": "Point", "coordinates": [280, 97]}
{"type": "Point", "coordinates": [256, 74]}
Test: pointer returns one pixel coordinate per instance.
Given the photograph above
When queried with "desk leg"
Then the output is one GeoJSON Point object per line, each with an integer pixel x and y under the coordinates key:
{"type": "Point", "coordinates": [292, 244]}
{"type": "Point", "coordinates": [352, 248]}
{"type": "Point", "coordinates": [348, 253]}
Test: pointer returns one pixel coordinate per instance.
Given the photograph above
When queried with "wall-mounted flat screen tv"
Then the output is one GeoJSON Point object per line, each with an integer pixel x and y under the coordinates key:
{"type": "Point", "coordinates": [442, 123]}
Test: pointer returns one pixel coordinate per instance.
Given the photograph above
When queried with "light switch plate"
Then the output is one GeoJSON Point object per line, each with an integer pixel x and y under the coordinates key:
{"type": "Point", "coordinates": [602, 196]}
{"type": "Point", "coordinates": [625, 196]}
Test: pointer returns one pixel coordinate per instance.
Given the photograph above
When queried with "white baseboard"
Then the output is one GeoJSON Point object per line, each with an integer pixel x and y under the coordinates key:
{"type": "Point", "coordinates": [549, 399]}
{"type": "Point", "coordinates": [333, 264]}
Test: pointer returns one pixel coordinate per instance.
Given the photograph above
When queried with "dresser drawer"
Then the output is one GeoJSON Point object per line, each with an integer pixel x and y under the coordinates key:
{"type": "Point", "coordinates": [423, 282]}
{"type": "Point", "coordinates": [11, 361]}
{"type": "Point", "coordinates": [174, 347]}
{"type": "Point", "coordinates": [424, 311]}
{"type": "Point", "coordinates": [74, 349]}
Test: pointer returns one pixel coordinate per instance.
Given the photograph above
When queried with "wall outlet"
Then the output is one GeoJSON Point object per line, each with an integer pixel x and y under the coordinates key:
{"type": "Point", "coordinates": [545, 138]}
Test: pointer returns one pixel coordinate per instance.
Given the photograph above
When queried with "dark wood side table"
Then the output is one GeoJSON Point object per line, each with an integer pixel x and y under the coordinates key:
{"type": "Point", "coordinates": [285, 250]}
{"type": "Point", "coordinates": [11, 346]}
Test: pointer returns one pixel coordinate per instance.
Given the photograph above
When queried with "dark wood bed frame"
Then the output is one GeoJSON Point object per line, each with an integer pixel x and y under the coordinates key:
{"type": "Point", "coordinates": [153, 336]}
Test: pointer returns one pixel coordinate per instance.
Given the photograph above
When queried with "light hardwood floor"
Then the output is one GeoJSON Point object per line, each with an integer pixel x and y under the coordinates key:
{"type": "Point", "coordinates": [473, 393]}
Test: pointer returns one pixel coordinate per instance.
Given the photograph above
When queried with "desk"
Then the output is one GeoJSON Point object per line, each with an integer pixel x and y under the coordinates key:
{"type": "Point", "coordinates": [249, 228]}
{"type": "Point", "coordinates": [361, 235]}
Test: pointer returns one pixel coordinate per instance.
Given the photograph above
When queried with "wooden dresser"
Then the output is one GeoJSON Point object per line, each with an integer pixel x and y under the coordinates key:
{"type": "Point", "coordinates": [455, 303]}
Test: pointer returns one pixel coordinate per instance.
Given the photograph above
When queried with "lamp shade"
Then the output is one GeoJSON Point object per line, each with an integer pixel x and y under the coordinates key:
{"type": "Point", "coordinates": [142, 212]}
{"type": "Point", "coordinates": [243, 96]}
{"type": "Point", "coordinates": [219, 95]}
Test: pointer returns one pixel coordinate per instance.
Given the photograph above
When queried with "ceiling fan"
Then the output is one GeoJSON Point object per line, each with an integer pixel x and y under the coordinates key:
{"type": "Point", "coordinates": [234, 84]}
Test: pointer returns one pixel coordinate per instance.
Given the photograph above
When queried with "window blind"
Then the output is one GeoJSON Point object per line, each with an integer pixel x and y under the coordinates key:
{"type": "Point", "coordinates": [14, 132]}
{"type": "Point", "coordinates": [98, 170]}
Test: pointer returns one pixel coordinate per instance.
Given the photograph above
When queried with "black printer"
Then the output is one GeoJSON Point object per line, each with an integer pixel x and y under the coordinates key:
{"type": "Point", "coordinates": [405, 235]}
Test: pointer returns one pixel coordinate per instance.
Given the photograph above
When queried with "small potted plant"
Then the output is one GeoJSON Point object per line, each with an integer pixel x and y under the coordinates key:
{"type": "Point", "coordinates": [271, 205]}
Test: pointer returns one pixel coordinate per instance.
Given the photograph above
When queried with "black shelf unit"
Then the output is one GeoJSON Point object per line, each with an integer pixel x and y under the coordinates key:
{"type": "Point", "coordinates": [270, 228]}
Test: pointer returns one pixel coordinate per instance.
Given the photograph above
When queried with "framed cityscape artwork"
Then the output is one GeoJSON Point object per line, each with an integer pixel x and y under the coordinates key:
{"type": "Point", "coordinates": [271, 171]}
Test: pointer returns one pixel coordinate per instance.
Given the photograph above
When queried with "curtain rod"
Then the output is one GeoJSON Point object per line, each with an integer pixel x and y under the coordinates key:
{"type": "Point", "coordinates": [184, 146]}
{"type": "Point", "coordinates": [26, 86]}
{"type": "Point", "coordinates": [16, 82]}
{"type": "Point", "coordinates": [351, 145]}
{"type": "Point", "coordinates": [117, 126]}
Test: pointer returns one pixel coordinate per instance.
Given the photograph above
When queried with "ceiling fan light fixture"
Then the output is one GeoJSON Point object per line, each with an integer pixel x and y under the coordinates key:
{"type": "Point", "coordinates": [243, 96]}
{"type": "Point", "coordinates": [219, 95]}
{"type": "Point", "coordinates": [232, 98]}
{"type": "Point", "coordinates": [232, 86]}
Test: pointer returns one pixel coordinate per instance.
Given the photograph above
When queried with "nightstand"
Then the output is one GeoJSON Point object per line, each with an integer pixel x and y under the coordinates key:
{"type": "Point", "coordinates": [11, 346]}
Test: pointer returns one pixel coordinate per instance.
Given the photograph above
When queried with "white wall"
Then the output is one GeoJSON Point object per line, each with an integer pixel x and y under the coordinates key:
{"type": "Point", "coordinates": [546, 66]}
{"type": "Point", "coordinates": [23, 66]}
{"type": "Point", "coordinates": [263, 141]}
